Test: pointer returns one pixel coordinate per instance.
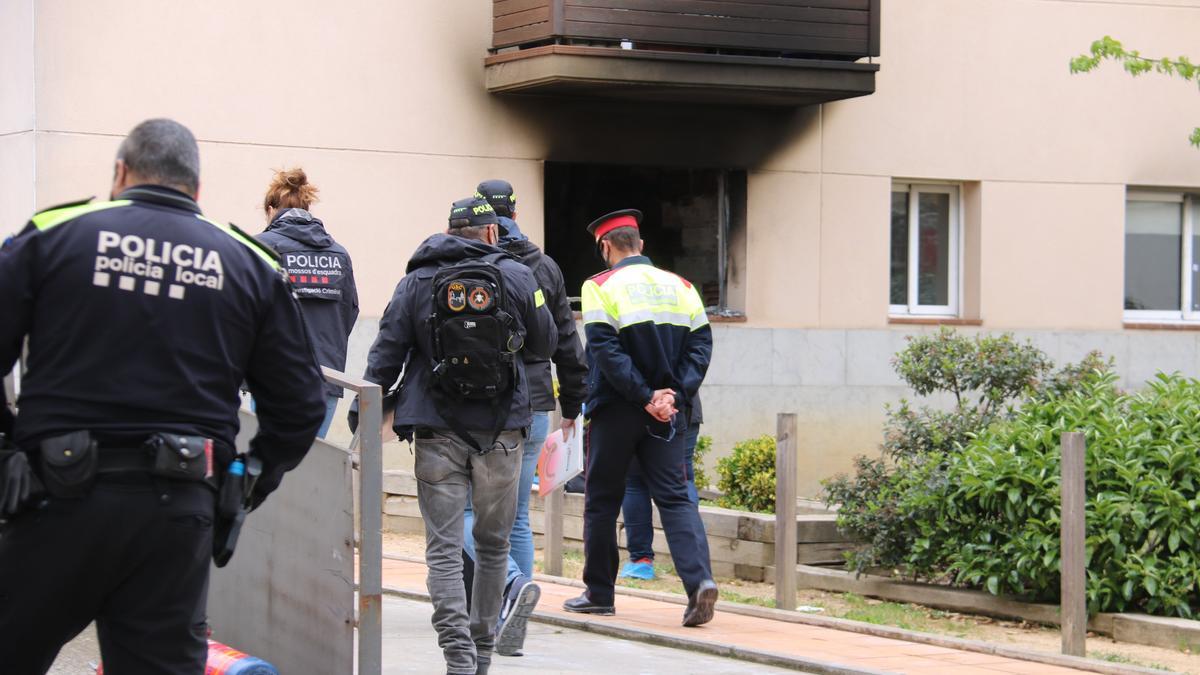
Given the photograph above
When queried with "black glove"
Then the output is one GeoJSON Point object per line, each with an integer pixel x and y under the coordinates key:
{"type": "Point", "coordinates": [7, 421]}
{"type": "Point", "coordinates": [16, 481]}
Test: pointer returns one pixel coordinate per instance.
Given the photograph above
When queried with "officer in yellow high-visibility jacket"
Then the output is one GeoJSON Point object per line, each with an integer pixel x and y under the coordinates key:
{"type": "Point", "coordinates": [649, 345]}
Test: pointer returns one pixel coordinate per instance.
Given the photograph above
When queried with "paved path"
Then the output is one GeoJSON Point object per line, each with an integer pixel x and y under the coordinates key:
{"type": "Point", "coordinates": [410, 646]}
{"type": "Point", "coordinates": [846, 649]}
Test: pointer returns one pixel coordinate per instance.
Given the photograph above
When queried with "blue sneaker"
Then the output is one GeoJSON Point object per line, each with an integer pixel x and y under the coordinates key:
{"type": "Point", "coordinates": [642, 568]}
{"type": "Point", "coordinates": [519, 602]}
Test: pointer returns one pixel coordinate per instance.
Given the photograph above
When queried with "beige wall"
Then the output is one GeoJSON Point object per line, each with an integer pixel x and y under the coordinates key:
{"type": "Point", "coordinates": [1053, 255]}
{"type": "Point", "coordinates": [16, 114]}
{"type": "Point", "coordinates": [384, 104]}
{"type": "Point", "coordinates": [980, 90]}
{"type": "Point", "coordinates": [855, 221]}
{"type": "Point", "coordinates": [783, 247]}
{"type": "Point", "coordinates": [391, 123]}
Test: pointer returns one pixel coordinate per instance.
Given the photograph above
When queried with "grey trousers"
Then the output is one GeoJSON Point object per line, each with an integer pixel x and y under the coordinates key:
{"type": "Point", "coordinates": [445, 468]}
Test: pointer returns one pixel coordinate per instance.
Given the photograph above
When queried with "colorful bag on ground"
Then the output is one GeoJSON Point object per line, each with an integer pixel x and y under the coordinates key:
{"type": "Point", "coordinates": [225, 660]}
{"type": "Point", "coordinates": [561, 459]}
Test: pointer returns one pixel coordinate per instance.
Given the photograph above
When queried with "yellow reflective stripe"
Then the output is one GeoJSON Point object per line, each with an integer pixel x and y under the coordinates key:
{"type": "Point", "coordinates": [699, 314]}
{"type": "Point", "coordinates": [658, 317]}
{"type": "Point", "coordinates": [600, 316]}
{"type": "Point", "coordinates": [48, 219]}
{"type": "Point", "coordinates": [641, 293]}
{"type": "Point", "coordinates": [539, 298]}
{"type": "Point", "coordinates": [242, 240]}
{"type": "Point", "coordinates": [595, 304]}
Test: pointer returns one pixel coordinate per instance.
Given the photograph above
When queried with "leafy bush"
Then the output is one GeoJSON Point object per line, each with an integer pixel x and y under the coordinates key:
{"type": "Point", "coordinates": [747, 476]}
{"type": "Point", "coordinates": [994, 522]}
{"type": "Point", "coordinates": [877, 508]}
{"type": "Point", "coordinates": [983, 373]}
{"type": "Point", "coordinates": [703, 446]}
{"type": "Point", "coordinates": [981, 507]}
{"type": "Point", "coordinates": [995, 368]}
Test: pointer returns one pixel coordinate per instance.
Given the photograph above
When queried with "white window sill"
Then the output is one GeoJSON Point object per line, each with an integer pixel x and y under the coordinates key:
{"type": "Point", "coordinates": [1161, 324]}
{"type": "Point", "coordinates": [932, 320]}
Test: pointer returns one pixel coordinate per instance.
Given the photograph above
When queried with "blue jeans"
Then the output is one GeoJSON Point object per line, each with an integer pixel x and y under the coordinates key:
{"type": "Point", "coordinates": [520, 541]}
{"type": "Point", "coordinates": [330, 409]}
{"type": "Point", "coordinates": [639, 519]}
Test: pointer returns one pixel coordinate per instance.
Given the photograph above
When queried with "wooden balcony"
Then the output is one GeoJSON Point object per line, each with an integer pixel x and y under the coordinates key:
{"type": "Point", "coordinates": [759, 52]}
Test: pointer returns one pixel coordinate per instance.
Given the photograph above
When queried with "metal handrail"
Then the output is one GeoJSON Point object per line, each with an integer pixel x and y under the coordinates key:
{"type": "Point", "coordinates": [370, 504]}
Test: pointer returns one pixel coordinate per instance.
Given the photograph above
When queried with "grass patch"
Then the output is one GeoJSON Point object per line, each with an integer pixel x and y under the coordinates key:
{"type": "Point", "coordinates": [1121, 658]}
{"type": "Point", "coordinates": [733, 596]}
{"type": "Point", "coordinates": [908, 617]}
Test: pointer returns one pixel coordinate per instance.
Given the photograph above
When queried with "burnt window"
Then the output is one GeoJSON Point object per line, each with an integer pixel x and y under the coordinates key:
{"type": "Point", "coordinates": [693, 225]}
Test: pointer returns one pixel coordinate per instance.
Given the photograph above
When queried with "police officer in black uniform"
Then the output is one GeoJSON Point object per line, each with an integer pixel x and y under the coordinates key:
{"type": "Point", "coordinates": [143, 318]}
{"type": "Point", "coordinates": [319, 269]}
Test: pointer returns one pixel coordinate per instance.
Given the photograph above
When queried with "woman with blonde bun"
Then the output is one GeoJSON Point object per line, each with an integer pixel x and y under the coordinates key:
{"type": "Point", "coordinates": [319, 269]}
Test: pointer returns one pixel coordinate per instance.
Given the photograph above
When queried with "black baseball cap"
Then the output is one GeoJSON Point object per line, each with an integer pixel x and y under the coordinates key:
{"type": "Point", "coordinates": [472, 212]}
{"type": "Point", "coordinates": [499, 194]}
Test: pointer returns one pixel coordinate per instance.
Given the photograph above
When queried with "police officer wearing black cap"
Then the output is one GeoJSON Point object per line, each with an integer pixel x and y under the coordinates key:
{"type": "Point", "coordinates": [521, 593]}
{"type": "Point", "coordinates": [648, 347]}
{"type": "Point", "coordinates": [143, 319]}
{"type": "Point", "coordinates": [457, 327]}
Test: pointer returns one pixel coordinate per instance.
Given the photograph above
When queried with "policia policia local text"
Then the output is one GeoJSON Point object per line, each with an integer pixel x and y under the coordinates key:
{"type": "Point", "coordinates": [129, 409]}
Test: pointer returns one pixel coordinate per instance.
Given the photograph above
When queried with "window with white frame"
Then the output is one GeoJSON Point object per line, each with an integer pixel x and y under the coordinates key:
{"type": "Point", "coordinates": [926, 230]}
{"type": "Point", "coordinates": [1162, 263]}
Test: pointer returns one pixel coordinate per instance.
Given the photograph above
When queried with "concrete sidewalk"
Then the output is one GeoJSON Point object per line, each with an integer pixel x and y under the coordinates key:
{"type": "Point", "coordinates": [410, 646]}
{"type": "Point", "coordinates": [804, 647]}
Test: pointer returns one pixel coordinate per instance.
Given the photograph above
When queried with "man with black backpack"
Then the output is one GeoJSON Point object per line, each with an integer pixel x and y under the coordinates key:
{"type": "Point", "coordinates": [521, 593]}
{"type": "Point", "coordinates": [457, 326]}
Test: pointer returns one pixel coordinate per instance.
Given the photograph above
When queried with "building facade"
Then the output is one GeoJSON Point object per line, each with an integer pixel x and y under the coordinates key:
{"type": "Point", "coordinates": [980, 185]}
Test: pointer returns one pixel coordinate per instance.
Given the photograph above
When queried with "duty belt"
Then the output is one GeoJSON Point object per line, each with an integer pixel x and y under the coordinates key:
{"type": "Point", "coordinates": [124, 460]}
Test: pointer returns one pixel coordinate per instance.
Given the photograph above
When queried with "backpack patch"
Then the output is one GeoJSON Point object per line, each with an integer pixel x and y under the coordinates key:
{"type": "Point", "coordinates": [471, 333]}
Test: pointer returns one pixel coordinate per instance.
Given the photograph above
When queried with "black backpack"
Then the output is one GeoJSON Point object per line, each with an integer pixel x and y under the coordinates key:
{"type": "Point", "coordinates": [475, 341]}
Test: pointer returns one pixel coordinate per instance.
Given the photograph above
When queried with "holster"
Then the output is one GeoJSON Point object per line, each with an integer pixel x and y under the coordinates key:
{"type": "Point", "coordinates": [68, 464]}
{"type": "Point", "coordinates": [233, 503]}
{"type": "Point", "coordinates": [182, 457]}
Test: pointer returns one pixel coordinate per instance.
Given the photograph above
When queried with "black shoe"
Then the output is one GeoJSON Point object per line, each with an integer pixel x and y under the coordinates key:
{"type": "Point", "coordinates": [520, 600]}
{"type": "Point", "coordinates": [700, 604]}
{"type": "Point", "coordinates": [584, 605]}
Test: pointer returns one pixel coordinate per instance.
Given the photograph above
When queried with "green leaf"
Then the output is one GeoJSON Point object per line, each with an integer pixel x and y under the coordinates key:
{"type": "Point", "coordinates": [1151, 585]}
{"type": "Point", "coordinates": [1173, 541]}
{"type": "Point", "coordinates": [1014, 495]}
{"type": "Point", "coordinates": [1127, 590]}
{"type": "Point", "coordinates": [993, 585]}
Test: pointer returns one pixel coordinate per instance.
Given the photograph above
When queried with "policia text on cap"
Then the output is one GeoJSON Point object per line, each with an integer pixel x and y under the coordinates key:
{"type": "Point", "coordinates": [143, 318]}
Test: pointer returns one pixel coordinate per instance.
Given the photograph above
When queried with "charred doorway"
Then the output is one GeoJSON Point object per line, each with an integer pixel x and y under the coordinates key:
{"type": "Point", "coordinates": [694, 222]}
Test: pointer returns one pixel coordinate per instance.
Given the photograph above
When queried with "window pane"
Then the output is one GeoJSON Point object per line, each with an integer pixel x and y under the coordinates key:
{"type": "Point", "coordinates": [899, 278]}
{"type": "Point", "coordinates": [933, 275]}
{"type": "Point", "coordinates": [1195, 271]}
{"type": "Point", "coordinates": [1153, 255]}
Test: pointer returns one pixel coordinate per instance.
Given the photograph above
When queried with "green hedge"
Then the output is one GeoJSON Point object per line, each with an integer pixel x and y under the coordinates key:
{"type": "Point", "coordinates": [747, 476]}
{"type": "Point", "coordinates": [988, 515]}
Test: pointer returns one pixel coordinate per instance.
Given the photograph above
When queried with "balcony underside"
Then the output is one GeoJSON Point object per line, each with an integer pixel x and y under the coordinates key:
{"type": "Point", "coordinates": [602, 72]}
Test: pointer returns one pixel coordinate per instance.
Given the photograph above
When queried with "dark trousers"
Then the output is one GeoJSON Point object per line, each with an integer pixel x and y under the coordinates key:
{"type": "Point", "coordinates": [618, 433]}
{"type": "Point", "coordinates": [133, 556]}
{"type": "Point", "coordinates": [639, 518]}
